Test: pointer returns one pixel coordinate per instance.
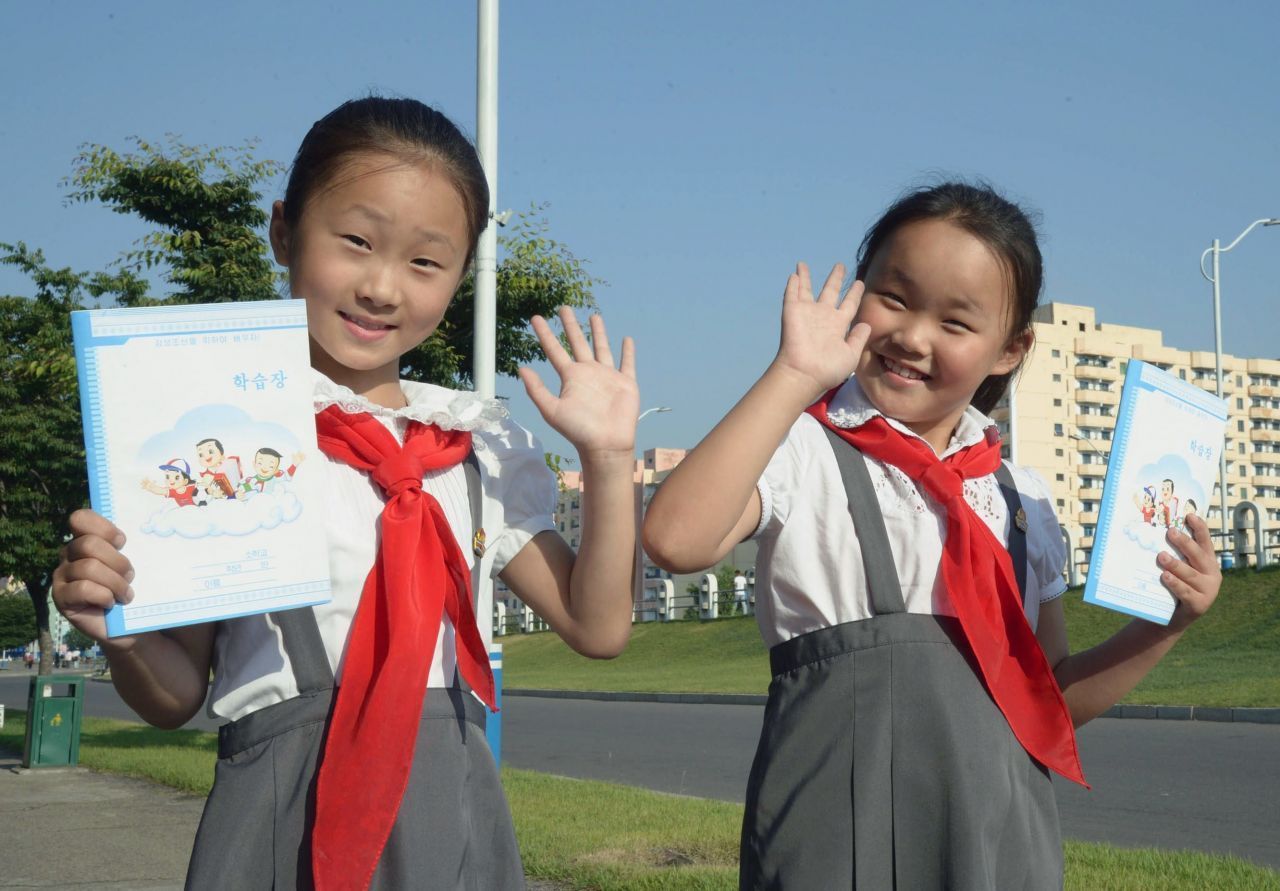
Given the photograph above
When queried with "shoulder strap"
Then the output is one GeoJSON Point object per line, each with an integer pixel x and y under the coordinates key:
{"type": "Point", "coordinates": [864, 508]}
{"type": "Point", "coordinates": [305, 648]}
{"type": "Point", "coordinates": [1017, 527]}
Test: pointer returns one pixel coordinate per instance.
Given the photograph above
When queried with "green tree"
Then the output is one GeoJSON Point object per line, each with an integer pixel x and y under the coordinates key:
{"type": "Point", "coordinates": [75, 639]}
{"type": "Point", "coordinates": [42, 476]}
{"type": "Point", "coordinates": [17, 621]}
{"type": "Point", "coordinates": [207, 203]}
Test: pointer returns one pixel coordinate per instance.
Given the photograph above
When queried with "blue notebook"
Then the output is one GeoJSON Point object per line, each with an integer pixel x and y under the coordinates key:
{"type": "Point", "coordinates": [200, 438]}
{"type": "Point", "coordinates": [1164, 459]}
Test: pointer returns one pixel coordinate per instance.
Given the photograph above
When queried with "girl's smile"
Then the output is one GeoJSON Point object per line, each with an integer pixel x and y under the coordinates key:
{"type": "Point", "coordinates": [938, 303]}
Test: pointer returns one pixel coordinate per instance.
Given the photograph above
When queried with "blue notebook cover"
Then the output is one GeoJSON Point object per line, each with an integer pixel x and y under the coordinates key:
{"type": "Point", "coordinates": [1164, 458]}
{"type": "Point", "coordinates": [200, 438]}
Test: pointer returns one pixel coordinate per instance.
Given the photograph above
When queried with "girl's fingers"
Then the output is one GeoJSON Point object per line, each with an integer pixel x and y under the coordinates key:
{"type": "Point", "coordinates": [600, 338]}
{"type": "Point", "coordinates": [87, 522]}
{"type": "Point", "coordinates": [806, 283]}
{"type": "Point", "coordinates": [92, 547]}
{"type": "Point", "coordinates": [791, 293]}
{"type": "Point", "coordinates": [853, 299]}
{"type": "Point", "coordinates": [551, 346]}
{"type": "Point", "coordinates": [628, 366]}
{"type": "Point", "coordinates": [858, 336]}
{"type": "Point", "coordinates": [1178, 587]}
{"type": "Point", "coordinates": [1196, 549]}
{"type": "Point", "coordinates": [830, 293]}
{"type": "Point", "coordinates": [573, 333]}
{"type": "Point", "coordinates": [542, 398]}
{"type": "Point", "coordinates": [1179, 568]}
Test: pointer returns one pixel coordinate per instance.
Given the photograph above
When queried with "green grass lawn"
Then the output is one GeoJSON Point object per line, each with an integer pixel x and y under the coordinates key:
{"type": "Point", "coordinates": [604, 837]}
{"type": "Point", "coordinates": [1230, 657]}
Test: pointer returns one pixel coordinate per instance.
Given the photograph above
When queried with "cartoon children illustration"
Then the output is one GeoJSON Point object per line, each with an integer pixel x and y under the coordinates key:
{"type": "Point", "coordinates": [1188, 510]}
{"type": "Point", "coordinates": [268, 477]}
{"type": "Point", "coordinates": [177, 485]}
{"type": "Point", "coordinates": [222, 473]}
{"type": "Point", "coordinates": [1146, 503]}
{"type": "Point", "coordinates": [1169, 514]}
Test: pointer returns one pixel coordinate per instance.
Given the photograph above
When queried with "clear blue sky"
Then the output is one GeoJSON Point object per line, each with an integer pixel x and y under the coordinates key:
{"type": "Point", "coordinates": [692, 152]}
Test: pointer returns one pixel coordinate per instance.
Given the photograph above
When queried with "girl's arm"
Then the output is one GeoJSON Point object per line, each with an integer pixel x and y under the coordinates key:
{"type": "Point", "coordinates": [162, 675]}
{"type": "Point", "coordinates": [1093, 680]}
{"type": "Point", "coordinates": [586, 597]}
{"type": "Point", "coordinates": [709, 502]}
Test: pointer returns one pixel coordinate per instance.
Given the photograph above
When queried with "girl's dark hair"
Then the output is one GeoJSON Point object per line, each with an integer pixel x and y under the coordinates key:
{"type": "Point", "coordinates": [404, 129]}
{"type": "Point", "coordinates": [991, 218]}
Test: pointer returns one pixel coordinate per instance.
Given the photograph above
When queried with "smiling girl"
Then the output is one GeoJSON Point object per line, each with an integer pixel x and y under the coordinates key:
{"type": "Point", "coordinates": [354, 754]}
{"type": "Point", "coordinates": [908, 581]}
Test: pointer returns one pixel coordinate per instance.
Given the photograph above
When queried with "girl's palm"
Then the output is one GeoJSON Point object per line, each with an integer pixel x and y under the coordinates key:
{"type": "Point", "coordinates": [598, 404]}
{"type": "Point", "coordinates": [819, 337]}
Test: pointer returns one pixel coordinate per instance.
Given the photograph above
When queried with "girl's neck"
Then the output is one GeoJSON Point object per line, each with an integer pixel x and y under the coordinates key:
{"type": "Point", "coordinates": [381, 386]}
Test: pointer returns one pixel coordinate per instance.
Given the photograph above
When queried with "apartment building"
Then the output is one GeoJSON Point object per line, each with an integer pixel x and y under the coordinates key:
{"type": "Point", "coordinates": [1061, 417]}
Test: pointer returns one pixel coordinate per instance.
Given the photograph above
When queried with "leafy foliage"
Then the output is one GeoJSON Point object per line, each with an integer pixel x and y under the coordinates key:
{"type": "Point", "coordinates": [535, 276]}
{"type": "Point", "coordinates": [17, 621]}
{"type": "Point", "coordinates": [208, 205]}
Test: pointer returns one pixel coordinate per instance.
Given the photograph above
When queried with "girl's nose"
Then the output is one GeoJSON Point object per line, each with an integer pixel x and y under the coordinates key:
{"type": "Point", "coordinates": [380, 287]}
{"type": "Point", "coordinates": [910, 337]}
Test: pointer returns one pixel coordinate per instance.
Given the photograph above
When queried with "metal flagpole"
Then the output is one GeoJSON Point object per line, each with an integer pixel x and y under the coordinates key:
{"type": "Point", "coordinates": [486, 301]}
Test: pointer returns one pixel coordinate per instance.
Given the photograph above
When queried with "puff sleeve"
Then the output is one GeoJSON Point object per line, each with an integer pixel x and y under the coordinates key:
{"type": "Point", "coordinates": [519, 487]}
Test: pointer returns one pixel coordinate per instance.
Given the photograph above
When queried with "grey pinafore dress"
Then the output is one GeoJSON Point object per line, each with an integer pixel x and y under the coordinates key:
{"type": "Point", "coordinates": [883, 762]}
{"type": "Point", "coordinates": [453, 830]}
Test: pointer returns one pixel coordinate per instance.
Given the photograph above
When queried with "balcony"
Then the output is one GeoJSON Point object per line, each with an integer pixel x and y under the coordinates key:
{"type": "Point", "coordinates": [1261, 481]}
{"type": "Point", "coordinates": [1089, 493]}
{"type": "Point", "coordinates": [1265, 457]}
{"type": "Point", "coordinates": [1106, 421]}
{"type": "Point", "coordinates": [1210, 383]}
{"type": "Point", "coordinates": [1264, 414]}
{"type": "Point", "coordinates": [1263, 390]}
{"type": "Point", "coordinates": [1096, 469]}
{"type": "Point", "coordinates": [1097, 397]}
{"type": "Point", "coordinates": [1264, 435]}
{"type": "Point", "coordinates": [1087, 517]}
{"type": "Point", "coordinates": [1096, 373]}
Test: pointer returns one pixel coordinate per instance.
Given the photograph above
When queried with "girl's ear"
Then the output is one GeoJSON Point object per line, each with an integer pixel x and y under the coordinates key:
{"type": "Point", "coordinates": [279, 234]}
{"type": "Point", "coordinates": [1014, 352]}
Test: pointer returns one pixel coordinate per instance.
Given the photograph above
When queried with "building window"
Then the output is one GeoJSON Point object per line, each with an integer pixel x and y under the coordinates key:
{"type": "Point", "coordinates": [1057, 378]}
{"type": "Point", "coordinates": [1057, 430]}
{"type": "Point", "coordinates": [1057, 403]}
{"type": "Point", "coordinates": [1089, 529]}
{"type": "Point", "coordinates": [1239, 403]}
{"type": "Point", "coordinates": [1060, 477]}
{"type": "Point", "coordinates": [1060, 504]}
{"type": "Point", "coordinates": [1182, 373]}
{"type": "Point", "coordinates": [1056, 353]}
{"type": "Point", "coordinates": [1057, 453]}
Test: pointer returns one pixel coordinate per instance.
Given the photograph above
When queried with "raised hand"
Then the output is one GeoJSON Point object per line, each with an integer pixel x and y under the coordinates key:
{"type": "Point", "coordinates": [92, 576]}
{"type": "Point", "coordinates": [598, 404]}
{"type": "Point", "coordinates": [819, 338]}
{"type": "Point", "coordinates": [1194, 580]}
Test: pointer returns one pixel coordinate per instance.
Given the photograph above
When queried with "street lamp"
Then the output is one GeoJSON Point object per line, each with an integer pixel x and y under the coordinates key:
{"type": "Point", "coordinates": [1216, 249]}
{"type": "Point", "coordinates": [649, 411]}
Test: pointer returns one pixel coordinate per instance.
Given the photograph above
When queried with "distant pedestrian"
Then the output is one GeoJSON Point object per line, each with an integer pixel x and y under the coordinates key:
{"type": "Point", "coordinates": [29, 658]}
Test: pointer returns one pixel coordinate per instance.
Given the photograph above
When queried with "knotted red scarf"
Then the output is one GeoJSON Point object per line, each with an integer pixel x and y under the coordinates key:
{"type": "Point", "coordinates": [419, 574]}
{"type": "Point", "coordinates": [978, 574]}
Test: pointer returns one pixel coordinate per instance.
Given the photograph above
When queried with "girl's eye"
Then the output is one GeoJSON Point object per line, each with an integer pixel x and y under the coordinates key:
{"type": "Point", "coordinates": [357, 240]}
{"type": "Point", "coordinates": [956, 325]}
{"type": "Point", "coordinates": [894, 299]}
{"type": "Point", "coordinates": [425, 263]}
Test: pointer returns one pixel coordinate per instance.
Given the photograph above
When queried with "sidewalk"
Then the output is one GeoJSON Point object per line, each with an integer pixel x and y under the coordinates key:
{"type": "Point", "coordinates": [74, 828]}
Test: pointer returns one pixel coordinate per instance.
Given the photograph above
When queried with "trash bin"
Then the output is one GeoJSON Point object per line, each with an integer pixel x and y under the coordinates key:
{"type": "Point", "coordinates": [55, 704]}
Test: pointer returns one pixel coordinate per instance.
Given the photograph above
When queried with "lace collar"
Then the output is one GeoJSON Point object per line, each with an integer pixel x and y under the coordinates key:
{"type": "Point", "coordinates": [429, 404]}
{"type": "Point", "coordinates": [851, 408]}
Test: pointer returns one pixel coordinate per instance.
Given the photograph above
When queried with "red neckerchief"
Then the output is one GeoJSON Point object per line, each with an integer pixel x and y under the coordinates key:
{"type": "Point", "coordinates": [418, 575]}
{"type": "Point", "coordinates": [978, 574]}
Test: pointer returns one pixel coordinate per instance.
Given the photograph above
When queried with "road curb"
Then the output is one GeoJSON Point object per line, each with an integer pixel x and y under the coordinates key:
{"type": "Point", "coordinates": [1220, 714]}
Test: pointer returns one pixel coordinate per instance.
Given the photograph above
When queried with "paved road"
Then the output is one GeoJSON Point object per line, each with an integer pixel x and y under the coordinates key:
{"type": "Point", "coordinates": [1169, 784]}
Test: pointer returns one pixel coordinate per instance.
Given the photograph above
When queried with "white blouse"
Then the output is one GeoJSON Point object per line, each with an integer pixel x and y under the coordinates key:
{"type": "Point", "coordinates": [809, 572]}
{"type": "Point", "coordinates": [252, 668]}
